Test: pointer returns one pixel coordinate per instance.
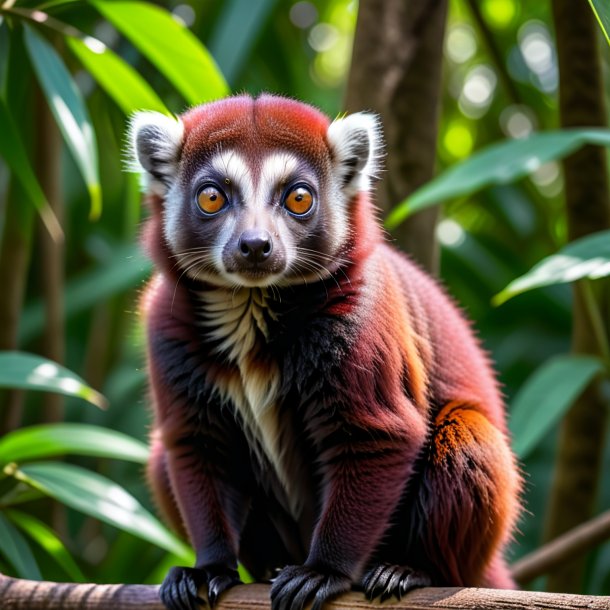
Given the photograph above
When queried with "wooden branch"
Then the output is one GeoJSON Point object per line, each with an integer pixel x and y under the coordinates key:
{"type": "Point", "coordinates": [16, 594]}
{"type": "Point", "coordinates": [565, 547]}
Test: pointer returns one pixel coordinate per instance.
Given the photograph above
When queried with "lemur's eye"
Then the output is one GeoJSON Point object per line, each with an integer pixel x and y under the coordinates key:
{"type": "Point", "coordinates": [211, 199]}
{"type": "Point", "coordinates": [299, 200]}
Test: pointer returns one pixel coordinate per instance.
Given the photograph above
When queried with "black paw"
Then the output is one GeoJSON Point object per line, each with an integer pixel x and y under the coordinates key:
{"type": "Point", "coordinates": [219, 580]}
{"type": "Point", "coordinates": [295, 586]}
{"type": "Point", "coordinates": [180, 589]}
{"type": "Point", "coordinates": [386, 580]}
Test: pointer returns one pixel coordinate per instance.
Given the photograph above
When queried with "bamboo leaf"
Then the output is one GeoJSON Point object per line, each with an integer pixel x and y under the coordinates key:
{"type": "Point", "coordinates": [16, 551]}
{"type": "Point", "coordinates": [97, 496]}
{"type": "Point", "coordinates": [499, 163]}
{"type": "Point", "coordinates": [244, 16]}
{"type": "Point", "coordinates": [13, 152]}
{"type": "Point", "coordinates": [546, 396]}
{"type": "Point", "coordinates": [44, 536]}
{"type": "Point", "coordinates": [586, 257]}
{"type": "Point", "coordinates": [70, 112]}
{"type": "Point", "coordinates": [122, 83]}
{"type": "Point", "coordinates": [601, 8]}
{"type": "Point", "coordinates": [31, 372]}
{"type": "Point", "coordinates": [170, 46]}
{"type": "Point", "coordinates": [128, 268]}
{"type": "Point", "coordinates": [49, 440]}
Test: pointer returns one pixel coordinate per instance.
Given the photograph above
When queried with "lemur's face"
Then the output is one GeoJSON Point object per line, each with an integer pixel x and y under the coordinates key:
{"type": "Point", "coordinates": [256, 192]}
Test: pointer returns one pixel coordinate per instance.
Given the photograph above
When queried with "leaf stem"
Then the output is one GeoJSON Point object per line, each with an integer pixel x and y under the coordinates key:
{"type": "Point", "coordinates": [597, 322]}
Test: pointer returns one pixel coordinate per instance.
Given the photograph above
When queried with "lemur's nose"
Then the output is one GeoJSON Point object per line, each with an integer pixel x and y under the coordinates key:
{"type": "Point", "coordinates": [255, 245]}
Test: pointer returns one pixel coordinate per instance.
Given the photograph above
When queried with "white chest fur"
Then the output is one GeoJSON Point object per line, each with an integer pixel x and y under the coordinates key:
{"type": "Point", "coordinates": [237, 320]}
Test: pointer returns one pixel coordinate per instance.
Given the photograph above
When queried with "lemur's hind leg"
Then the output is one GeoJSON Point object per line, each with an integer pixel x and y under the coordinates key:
{"type": "Point", "coordinates": [464, 508]}
{"type": "Point", "coordinates": [158, 480]}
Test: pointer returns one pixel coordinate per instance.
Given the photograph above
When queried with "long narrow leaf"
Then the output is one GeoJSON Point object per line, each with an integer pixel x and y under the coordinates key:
{"type": "Point", "coordinates": [499, 163]}
{"type": "Point", "coordinates": [170, 46]}
{"type": "Point", "coordinates": [15, 550]}
{"type": "Point", "coordinates": [48, 440]}
{"type": "Point", "coordinates": [14, 153]}
{"type": "Point", "coordinates": [546, 396]}
{"type": "Point", "coordinates": [244, 16]}
{"type": "Point", "coordinates": [587, 257]}
{"type": "Point", "coordinates": [44, 536]}
{"type": "Point", "coordinates": [70, 112]}
{"type": "Point", "coordinates": [601, 8]}
{"type": "Point", "coordinates": [97, 496]}
{"type": "Point", "coordinates": [128, 89]}
{"type": "Point", "coordinates": [127, 269]}
{"type": "Point", "coordinates": [31, 372]}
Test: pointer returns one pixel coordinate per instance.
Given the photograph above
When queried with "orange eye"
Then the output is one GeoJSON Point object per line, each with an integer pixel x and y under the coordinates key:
{"type": "Point", "coordinates": [211, 200]}
{"type": "Point", "coordinates": [299, 200]}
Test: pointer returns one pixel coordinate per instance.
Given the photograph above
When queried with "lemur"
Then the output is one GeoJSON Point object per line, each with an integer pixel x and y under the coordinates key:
{"type": "Point", "coordinates": [323, 412]}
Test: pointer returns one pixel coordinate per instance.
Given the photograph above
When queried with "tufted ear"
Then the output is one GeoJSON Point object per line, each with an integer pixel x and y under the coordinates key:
{"type": "Point", "coordinates": [356, 143]}
{"type": "Point", "coordinates": [155, 143]}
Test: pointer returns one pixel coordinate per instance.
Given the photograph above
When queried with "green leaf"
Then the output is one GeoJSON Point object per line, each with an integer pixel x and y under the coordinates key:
{"type": "Point", "coordinates": [499, 163]}
{"type": "Point", "coordinates": [70, 112]}
{"type": "Point", "coordinates": [97, 496]}
{"type": "Point", "coordinates": [15, 550]}
{"type": "Point", "coordinates": [4, 54]}
{"type": "Point", "coordinates": [31, 372]}
{"type": "Point", "coordinates": [128, 89]}
{"type": "Point", "coordinates": [601, 8]}
{"type": "Point", "coordinates": [48, 440]}
{"type": "Point", "coordinates": [586, 257]}
{"type": "Point", "coordinates": [243, 16]}
{"type": "Point", "coordinates": [127, 269]}
{"type": "Point", "coordinates": [546, 396]}
{"type": "Point", "coordinates": [14, 153]}
{"type": "Point", "coordinates": [170, 46]}
{"type": "Point", "coordinates": [44, 536]}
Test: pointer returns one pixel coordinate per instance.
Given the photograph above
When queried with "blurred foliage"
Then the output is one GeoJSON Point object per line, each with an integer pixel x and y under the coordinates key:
{"type": "Point", "coordinates": [97, 61]}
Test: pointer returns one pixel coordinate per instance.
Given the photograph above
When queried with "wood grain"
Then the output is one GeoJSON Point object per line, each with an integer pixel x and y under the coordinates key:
{"type": "Point", "coordinates": [17, 594]}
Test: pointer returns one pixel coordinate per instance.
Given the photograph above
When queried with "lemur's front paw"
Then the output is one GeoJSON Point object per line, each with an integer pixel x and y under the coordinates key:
{"type": "Point", "coordinates": [180, 589]}
{"type": "Point", "coordinates": [295, 586]}
{"type": "Point", "coordinates": [386, 580]}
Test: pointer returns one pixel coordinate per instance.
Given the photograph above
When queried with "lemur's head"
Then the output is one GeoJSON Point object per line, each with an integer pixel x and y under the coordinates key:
{"type": "Point", "coordinates": [256, 191]}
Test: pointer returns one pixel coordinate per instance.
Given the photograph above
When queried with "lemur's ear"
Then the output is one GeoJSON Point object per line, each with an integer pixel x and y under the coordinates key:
{"type": "Point", "coordinates": [155, 143]}
{"type": "Point", "coordinates": [356, 144]}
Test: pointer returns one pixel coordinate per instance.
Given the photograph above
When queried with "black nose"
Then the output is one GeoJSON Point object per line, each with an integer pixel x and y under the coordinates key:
{"type": "Point", "coordinates": [255, 245]}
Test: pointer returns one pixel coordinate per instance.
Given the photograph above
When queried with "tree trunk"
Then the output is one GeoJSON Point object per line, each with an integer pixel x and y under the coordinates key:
{"type": "Point", "coordinates": [578, 466]}
{"type": "Point", "coordinates": [396, 72]}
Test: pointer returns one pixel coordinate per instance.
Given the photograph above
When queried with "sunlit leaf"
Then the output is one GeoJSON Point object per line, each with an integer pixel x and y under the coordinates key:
{"type": "Point", "coordinates": [170, 46]}
{"type": "Point", "coordinates": [44, 536]}
{"type": "Point", "coordinates": [70, 112]}
{"type": "Point", "coordinates": [127, 269]}
{"type": "Point", "coordinates": [97, 496]}
{"type": "Point", "coordinates": [47, 440]}
{"type": "Point", "coordinates": [128, 89]}
{"type": "Point", "coordinates": [546, 396]}
{"type": "Point", "coordinates": [31, 372]}
{"type": "Point", "coordinates": [601, 8]}
{"type": "Point", "coordinates": [13, 152]}
{"type": "Point", "coordinates": [587, 257]}
{"type": "Point", "coordinates": [499, 163]}
{"type": "Point", "coordinates": [15, 549]}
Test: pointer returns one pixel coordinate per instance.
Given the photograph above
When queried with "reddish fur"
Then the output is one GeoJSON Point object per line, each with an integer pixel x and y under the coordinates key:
{"type": "Point", "coordinates": [403, 451]}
